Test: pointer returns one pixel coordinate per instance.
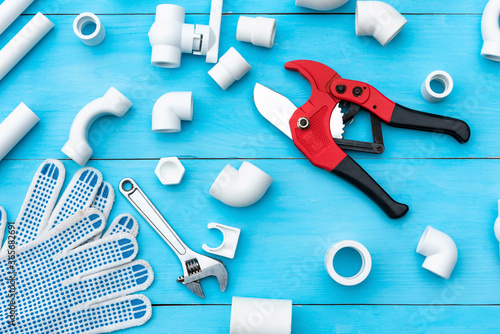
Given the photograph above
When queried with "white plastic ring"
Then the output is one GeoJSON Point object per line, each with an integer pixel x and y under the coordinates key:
{"type": "Point", "coordinates": [366, 263]}
{"type": "Point", "coordinates": [97, 36]}
{"type": "Point", "coordinates": [430, 95]}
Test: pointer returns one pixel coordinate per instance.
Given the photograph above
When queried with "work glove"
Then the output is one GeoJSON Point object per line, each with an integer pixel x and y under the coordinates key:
{"type": "Point", "coordinates": [57, 274]}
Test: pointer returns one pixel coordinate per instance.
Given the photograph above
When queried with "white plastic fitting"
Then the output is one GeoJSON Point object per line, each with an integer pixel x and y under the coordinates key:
{"type": "Point", "coordinates": [497, 224]}
{"type": "Point", "coordinates": [82, 21]}
{"type": "Point", "coordinates": [170, 171]}
{"type": "Point", "coordinates": [491, 31]}
{"type": "Point", "coordinates": [240, 188]}
{"type": "Point", "coordinates": [366, 263]}
{"type": "Point", "coordinates": [260, 316]}
{"type": "Point", "coordinates": [320, 4]}
{"type": "Point", "coordinates": [10, 11]}
{"type": "Point", "coordinates": [229, 244]}
{"type": "Point", "coordinates": [378, 19]}
{"type": "Point", "coordinates": [15, 127]}
{"type": "Point", "coordinates": [440, 251]}
{"type": "Point", "coordinates": [260, 31]}
{"type": "Point", "coordinates": [170, 110]}
{"type": "Point", "coordinates": [231, 67]}
{"type": "Point", "coordinates": [112, 103]}
{"type": "Point", "coordinates": [23, 42]}
{"type": "Point", "coordinates": [429, 94]}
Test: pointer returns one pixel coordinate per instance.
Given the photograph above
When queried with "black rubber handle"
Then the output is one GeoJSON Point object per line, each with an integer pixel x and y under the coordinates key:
{"type": "Point", "coordinates": [350, 171]}
{"type": "Point", "coordinates": [407, 118]}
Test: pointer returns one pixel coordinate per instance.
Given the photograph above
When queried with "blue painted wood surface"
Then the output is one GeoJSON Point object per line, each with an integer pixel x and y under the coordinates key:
{"type": "Point", "coordinates": [450, 186]}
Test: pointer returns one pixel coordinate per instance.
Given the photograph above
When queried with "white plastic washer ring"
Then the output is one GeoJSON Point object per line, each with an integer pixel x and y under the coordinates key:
{"type": "Point", "coordinates": [96, 37]}
{"type": "Point", "coordinates": [430, 95]}
{"type": "Point", "coordinates": [366, 263]}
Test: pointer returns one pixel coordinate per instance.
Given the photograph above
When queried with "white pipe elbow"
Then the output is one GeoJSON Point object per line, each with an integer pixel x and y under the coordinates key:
{"type": "Point", "coordinates": [440, 251]}
{"type": "Point", "coordinates": [170, 110]}
{"type": "Point", "coordinates": [320, 4]}
{"type": "Point", "coordinates": [491, 31]}
{"type": "Point", "coordinates": [240, 188]}
{"type": "Point", "coordinates": [497, 224]}
{"type": "Point", "coordinates": [378, 19]}
{"type": "Point", "coordinates": [112, 103]}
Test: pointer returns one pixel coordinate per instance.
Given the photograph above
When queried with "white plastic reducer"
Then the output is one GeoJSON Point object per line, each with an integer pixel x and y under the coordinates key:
{"type": "Point", "coordinates": [497, 224]}
{"type": "Point", "coordinates": [260, 316]}
{"type": "Point", "coordinates": [112, 103]}
{"type": "Point", "coordinates": [366, 262]}
{"type": "Point", "coordinates": [260, 31]}
{"type": "Point", "coordinates": [170, 110]}
{"type": "Point", "coordinates": [170, 171]}
{"type": "Point", "coordinates": [23, 42]}
{"type": "Point", "coordinates": [15, 127]}
{"type": "Point", "coordinates": [440, 251]}
{"type": "Point", "coordinates": [10, 11]}
{"type": "Point", "coordinates": [228, 247]}
{"type": "Point", "coordinates": [378, 19]}
{"type": "Point", "coordinates": [84, 20]}
{"type": "Point", "coordinates": [231, 67]}
{"type": "Point", "coordinates": [170, 36]}
{"type": "Point", "coordinates": [491, 31]}
{"type": "Point", "coordinates": [320, 4]}
{"type": "Point", "coordinates": [240, 188]}
{"type": "Point", "coordinates": [429, 94]}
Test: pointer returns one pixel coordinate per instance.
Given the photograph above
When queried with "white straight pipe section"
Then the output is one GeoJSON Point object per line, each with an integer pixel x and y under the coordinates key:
{"type": "Point", "coordinates": [23, 42]}
{"type": "Point", "coordinates": [15, 127]}
{"type": "Point", "coordinates": [10, 11]}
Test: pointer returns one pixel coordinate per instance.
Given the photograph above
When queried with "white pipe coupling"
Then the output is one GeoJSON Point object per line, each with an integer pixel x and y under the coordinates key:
{"type": "Point", "coordinates": [497, 224]}
{"type": "Point", "coordinates": [85, 19]}
{"type": "Point", "coordinates": [10, 11]}
{"type": "Point", "coordinates": [378, 19]}
{"type": "Point", "coordinates": [491, 31]}
{"type": "Point", "coordinates": [112, 103]}
{"type": "Point", "coordinates": [440, 251]}
{"type": "Point", "coordinates": [320, 4]}
{"type": "Point", "coordinates": [260, 31]}
{"type": "Point", "coordinates": [170, 110]}
{"type": "Point", "coordinates": [240, 188]}
{"type": "Point", "coordinates": [429, 94]}
{"type": "Point", "coordinates": [260, 316]}
{"type": "Point", "coordinates": [366, 263]}
{"type": "Point", "coordinates": [15, 127]}
{"type": "Point", "coordinates": [231, 67]}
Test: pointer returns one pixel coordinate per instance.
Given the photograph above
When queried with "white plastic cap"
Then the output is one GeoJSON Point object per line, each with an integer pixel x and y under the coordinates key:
{"type": "Point", "coordinates": [170, 110]}
{"type": "Point", "coordinates": [231, 67]}
{"type": "Point", "coordinates": [259, 31]}
{"type": "Point", "coordinates": [260, 316]}
{"type": "Point", "coordinates": [170, 171]}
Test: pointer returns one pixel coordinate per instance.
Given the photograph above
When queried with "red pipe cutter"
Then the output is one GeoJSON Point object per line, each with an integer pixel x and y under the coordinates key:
{"type": "Point", "coordinates": [317, 127]}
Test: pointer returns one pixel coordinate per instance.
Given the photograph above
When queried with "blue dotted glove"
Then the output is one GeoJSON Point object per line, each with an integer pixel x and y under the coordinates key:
{"type": "Point", "coordinates": [57, 274]}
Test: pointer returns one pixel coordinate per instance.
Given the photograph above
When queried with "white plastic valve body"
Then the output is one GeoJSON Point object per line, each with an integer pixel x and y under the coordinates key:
{"type": "Point", "coordinates": [82, 21]}
{"type": "Point", "coordinates": [378, 19]}
{"type": "Point", "coordinates": [259, 31]}
{"type": "Point", "coordinates": [429, 94]}
{"type": "Point", "coordinates": [497, 224]}
{"type": "Point", "coordinates": [366, 262]}
{"type": "Point", "coordinates": [15, 127]}
{"type": "Point", "coordinates": [112, 103]}
{"type": "Point", "coordinates": [170, 110]}
{"type": "Point", "coordinates": [260, 316]}
{"type": "Point", "coordinates": [23, 42]}
{"type": "Point", "coordinates": [231, 67]}
{"type": "Point", "coordinates": [320, 4]}
{"type": "Point", "coordinates": [229, 244]}
{"type": "Point", "coordinates": [10, 11]}
{"type": "Point", "coordinates": [491, 31]}
{"type": "Point", "coordinates": [440, 251]}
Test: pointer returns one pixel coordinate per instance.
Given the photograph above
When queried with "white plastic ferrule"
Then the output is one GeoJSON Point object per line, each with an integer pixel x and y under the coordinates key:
{"type": "Point", "coordinates": [429, 94]}
{"type": "Point", "coordinates": [320, 4]}
{"type": "Point", "coordinates": [170, 109]}
{"type": "Point", "coordinates": [10, 11]}
{"type": "Point", "coordinates": [366, 262]}
{"type": "Point", "coordinates": [491, 31]}
{"type": "Point", "coordinates": [260, 31]}
{"type": "Point", "coordinates": [15, 127]}
{"type": "Point", "coordinates": [440, 251]}
{"type": "Point", "coordinates": [85, 19]}
{"type": "Point", "coordinates": [231, 67]}
{"type": "Point", "coordinates": [260, 316]}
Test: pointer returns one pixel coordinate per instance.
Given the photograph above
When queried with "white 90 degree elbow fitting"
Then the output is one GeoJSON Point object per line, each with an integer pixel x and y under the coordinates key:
{"type": "Point", "coordinates": [240, 188]}
{"type": "Point", "coordinates": [320, 4]}
{"type": "Point", "coordinates": [170, 109]}
{"type": "Point", "coordinates": [491, 31]}
{"type": "Point", "coordinates": [15, 127]}
{"type": "Point", "coordinates": [440, 251]}
{"type": "Point", "coordinates": [260, 316]}
{"type": "Point", "coordinates": [378, 19]}
{"type": "Point", "coordinates": [112, 103]}
{"type": "Point", "coordinates": [497, 224]}
{"type": "Point", "coordinates": [260, 31]}
{"type": "Point", "coordinates": [231, 67]}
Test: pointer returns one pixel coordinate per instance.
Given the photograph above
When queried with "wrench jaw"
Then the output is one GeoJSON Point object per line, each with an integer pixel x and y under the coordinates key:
{"type": "Point", "coordinates": [199, 268]}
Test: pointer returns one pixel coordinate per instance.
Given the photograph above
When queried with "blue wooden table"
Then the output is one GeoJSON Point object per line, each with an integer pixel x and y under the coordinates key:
{"type": "Point", "coordinates": [450, 186]}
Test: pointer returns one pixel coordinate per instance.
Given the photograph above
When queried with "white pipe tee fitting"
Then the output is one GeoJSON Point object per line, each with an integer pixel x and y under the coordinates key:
{"type": "Point", "coordinates": [260, 31]}
{"type": "Point", "coordinates": [231, 67]}
{"type": "Point", "coordinates": [440, 251]}
{"type": "Point", "coordinates": [491, 31]}
{"type": "Point", "coordinates": [320, 4]}
{"type": "Point", "coordinates": [429, 94]}
{"type": "Point", "coordinates": [378, 19]}
{"type": "Point", "coordinates": [260, 316]}
{"type": "Point", "coordinates": [170, 110]}
{"type": "Point", "coordinates": [85, 19]}
{"type": "Point", "coordinates": [15, 127]}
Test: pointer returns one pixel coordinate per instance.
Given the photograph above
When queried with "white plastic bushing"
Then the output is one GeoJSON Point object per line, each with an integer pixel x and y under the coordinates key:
{"type": "Point", "coordinates": [366, 262]}
{"type": "Point", "coordinates": [259, 31]}
{"type": "Point", "coordinates": [260, 316]}
{"type": "Point", "coordinates": [15, 127]}
{"type": "Point", "coordinates": [229, 244]}
{"type": "Point", "coordinates": [170, 110]}
{"type": "Point", "coordinates": [170, 171]}
{"type": "Point", "coordinates": [231, 67]}
{"type": "Point", "coordinates": [440, 251]}
{"type": "Point", "coordinates": [430, 95]}
{"type": "Point", "coordinates": [85, 19]}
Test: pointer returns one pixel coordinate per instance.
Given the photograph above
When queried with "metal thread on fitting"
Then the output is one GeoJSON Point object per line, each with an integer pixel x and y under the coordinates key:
{"type": "Point", "coordinates": [84, 20]}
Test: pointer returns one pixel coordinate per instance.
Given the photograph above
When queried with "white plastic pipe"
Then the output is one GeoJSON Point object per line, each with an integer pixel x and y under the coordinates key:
{"type": "Point", "coordinates": [497, 224]}
{"type": "Point", "coordinates": [320, 4]}
{"type": "Point", "coordinates": [260, 31]}
{"type": "Point", "coordinates": [378, 19]}
{"type": "Point", "coordinates": [10, 11]}
{"type": "Point", "coordinates": [491, 31]}
{"type": "Point", "coordinates": [241, 188]}
{"type": "Point", "coordinates": [231, 67]}
{"type": "Point", "coordinates": [23, 42]}
{"type": "Point", "coordinates": [260, 316]}
{"type": "Point", "coordinates": [15, 127]}
{"type": "Point", "coordinates": [170, 109]}
{"type": "Point", "coordinates": [112, 103]}
{"type": "Point", "coordinates": [440, 251]}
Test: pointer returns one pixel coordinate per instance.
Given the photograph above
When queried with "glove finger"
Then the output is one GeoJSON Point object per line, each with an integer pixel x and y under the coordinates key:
{"type": "Point", "coordinates": [3, 223]}
{"type": "Point", "coordinates": [104, 201]}
{"type": "Point", "coordinates": [125, 223]}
